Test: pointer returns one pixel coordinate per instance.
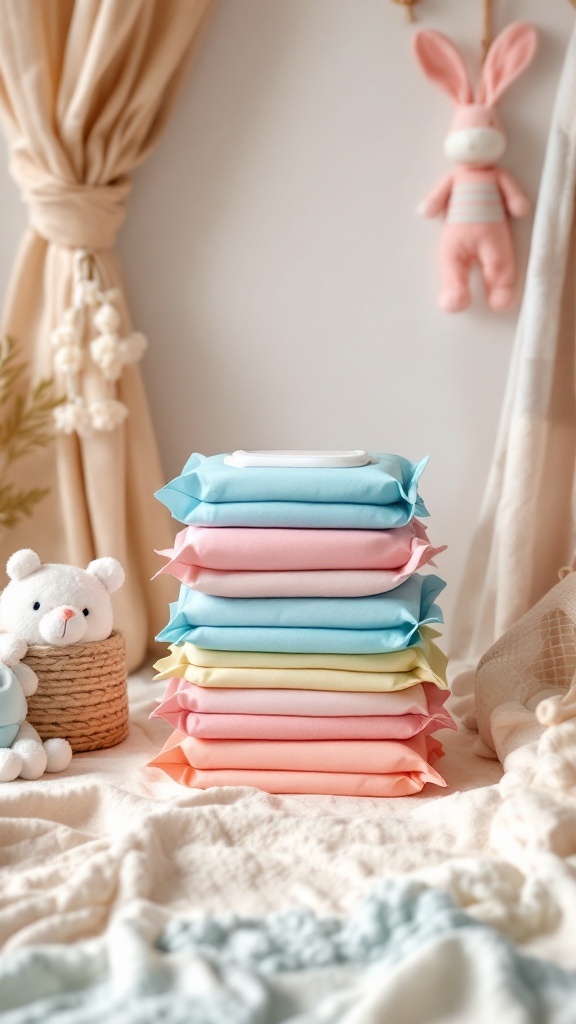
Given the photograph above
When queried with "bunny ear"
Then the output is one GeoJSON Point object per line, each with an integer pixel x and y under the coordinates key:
{"type": "Point", "coordinates": [509, 54]}
{"type": "Point", "coordinates": [442, 63]}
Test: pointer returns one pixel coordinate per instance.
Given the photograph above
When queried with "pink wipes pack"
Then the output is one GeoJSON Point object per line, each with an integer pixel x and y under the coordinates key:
{"type": "Point", "coordinates": [281, 727]}
{"type": "Point", "coordinates": [304, 583]}
{"type": "Point", "coordinates": [302, 714]}
{"type": "Point", "coordinates": [233, 549]}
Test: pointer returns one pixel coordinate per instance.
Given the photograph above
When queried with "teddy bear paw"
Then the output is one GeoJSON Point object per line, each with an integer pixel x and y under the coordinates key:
{"type": "Point", "coordinates": [10, 765]}
{"type": "Point", "coordinates": [58, 753]}
{"type": "Point", "coordinates": [12, 649]}
{"type": "Point", "coordinates": [27, 678]}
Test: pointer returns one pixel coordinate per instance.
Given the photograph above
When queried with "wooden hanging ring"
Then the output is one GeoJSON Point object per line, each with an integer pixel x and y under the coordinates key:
{"type": "Point", "coordinates": [408, 5]}
{"type": "Point", "coordinates": [487, 26]}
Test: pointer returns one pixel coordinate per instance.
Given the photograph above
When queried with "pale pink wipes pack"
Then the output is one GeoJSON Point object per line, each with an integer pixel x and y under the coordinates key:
{"type": "Point", "coordinates": [302, 714]}
{"type": "Point", "coordinates": [305, 583]}
{"type": "Point", "coordinates": [419, 699]}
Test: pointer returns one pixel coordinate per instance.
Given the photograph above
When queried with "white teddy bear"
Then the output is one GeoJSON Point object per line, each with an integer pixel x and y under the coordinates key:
{"type": "Point", "coordinates": [45, 604]}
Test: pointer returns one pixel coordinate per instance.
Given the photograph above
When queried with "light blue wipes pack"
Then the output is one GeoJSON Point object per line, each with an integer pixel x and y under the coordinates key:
{"type": "Point", "coordinates": [329, 625]}
{"type": "Point", "coordinates": [212, 492]}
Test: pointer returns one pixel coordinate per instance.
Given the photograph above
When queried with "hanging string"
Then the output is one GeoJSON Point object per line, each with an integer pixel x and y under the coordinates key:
{"type": "Point", "coordinates": [408, 5]}
{"type": "Point", "coordinates": [487, 26]}
{"type": "Point", "coordinates": [487, 20]}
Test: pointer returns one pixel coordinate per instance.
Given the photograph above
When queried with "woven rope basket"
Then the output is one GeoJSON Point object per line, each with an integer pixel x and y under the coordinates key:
{"type": "Point", "coordinates": [81, 693]}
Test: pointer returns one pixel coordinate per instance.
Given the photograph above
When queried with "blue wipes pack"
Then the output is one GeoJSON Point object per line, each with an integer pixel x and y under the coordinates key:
{"type": "Point", "coordinates": [380, 495]}
{"type": "Point", "coordinates": [329, 625]}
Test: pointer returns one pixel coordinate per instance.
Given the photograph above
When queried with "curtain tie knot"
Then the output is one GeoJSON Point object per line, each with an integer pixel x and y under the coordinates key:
{"type": "Point", "coordinates": [74, 215]}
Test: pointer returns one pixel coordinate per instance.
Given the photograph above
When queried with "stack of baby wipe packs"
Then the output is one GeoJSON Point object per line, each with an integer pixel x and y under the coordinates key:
{"type": "Point", "coordinates": [302, 658]}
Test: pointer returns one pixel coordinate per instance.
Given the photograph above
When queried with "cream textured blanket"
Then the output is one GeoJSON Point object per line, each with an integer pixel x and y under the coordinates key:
{"type": "Point", "coordinates": [111, 837]}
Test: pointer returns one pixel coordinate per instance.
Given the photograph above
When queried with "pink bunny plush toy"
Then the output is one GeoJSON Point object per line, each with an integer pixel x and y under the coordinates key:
{"type": "Point", "coordinates": [477, 197]}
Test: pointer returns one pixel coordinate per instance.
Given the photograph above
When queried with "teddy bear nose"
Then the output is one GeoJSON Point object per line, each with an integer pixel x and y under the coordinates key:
{"type": "Point", "coordinates": [68, 613]}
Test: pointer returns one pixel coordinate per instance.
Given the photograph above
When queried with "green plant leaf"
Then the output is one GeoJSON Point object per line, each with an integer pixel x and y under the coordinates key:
{"type": "Point", "coordinates": [26, 424]}
{"type": "Point", "coordinates": [14, 504]}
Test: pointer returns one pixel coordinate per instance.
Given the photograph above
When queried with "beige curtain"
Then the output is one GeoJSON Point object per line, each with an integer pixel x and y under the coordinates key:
{"type": "Point", "coordinates": [526, 531]}
{"type": "Point", "coordinates": [86, 87]}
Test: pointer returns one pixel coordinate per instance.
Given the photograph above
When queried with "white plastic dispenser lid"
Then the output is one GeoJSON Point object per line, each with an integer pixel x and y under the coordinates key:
{"type": "Point", "coordinates": [299, 459]}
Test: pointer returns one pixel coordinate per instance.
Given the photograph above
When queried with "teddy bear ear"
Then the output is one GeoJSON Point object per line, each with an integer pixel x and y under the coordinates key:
{"type": "Point", "coordinates": [108, 571]}
{"type": "Point", "coordinates": [22, 563]}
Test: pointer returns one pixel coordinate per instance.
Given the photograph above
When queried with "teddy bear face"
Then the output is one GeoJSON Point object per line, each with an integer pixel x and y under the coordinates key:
{"type": "Point", "coordinates": [58, 604]}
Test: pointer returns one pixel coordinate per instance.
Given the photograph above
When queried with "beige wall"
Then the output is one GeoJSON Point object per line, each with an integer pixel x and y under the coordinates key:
{"type": "Point", "coordinates": [274, 259]}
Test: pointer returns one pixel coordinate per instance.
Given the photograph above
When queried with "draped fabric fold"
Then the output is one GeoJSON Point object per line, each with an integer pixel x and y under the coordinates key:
{"type": "Point", "coordinates": [86, 87]}
{"type": "Point", "coordinates": [526, 531]}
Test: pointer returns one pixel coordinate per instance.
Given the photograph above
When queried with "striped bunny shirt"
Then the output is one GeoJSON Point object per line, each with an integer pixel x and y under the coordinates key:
{"type": "Point", "coordinates": [475, 201]}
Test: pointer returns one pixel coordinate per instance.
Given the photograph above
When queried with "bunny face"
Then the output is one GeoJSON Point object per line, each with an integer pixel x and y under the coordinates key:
{"type": "Point", "coordinates": [476, 137]}
{"type": "Point", "coordinates": [475, 147]}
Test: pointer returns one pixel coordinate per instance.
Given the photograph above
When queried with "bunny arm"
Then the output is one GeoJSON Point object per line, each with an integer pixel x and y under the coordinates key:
{"type": "Point", "coordinates": [515, 199]}
{"type": "Point", "coordinates": [437, 200]}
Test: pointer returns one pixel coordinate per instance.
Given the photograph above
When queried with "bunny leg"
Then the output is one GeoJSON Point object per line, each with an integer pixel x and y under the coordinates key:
{"type": "Point", "coordinates": [456, 259]}
{"type": "Point", "coordinates": [496, 256]}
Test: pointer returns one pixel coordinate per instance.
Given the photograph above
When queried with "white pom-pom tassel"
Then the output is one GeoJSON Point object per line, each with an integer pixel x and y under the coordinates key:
{"type": "Point", "coordinates": [103, 347]}
{"type": "Point", "coordinates": [111, 369]}
{"type": "Point", "coordinates": [133, 347]}
{"type": "Point", "coordinates": [108, 414]}
{"type": "Point", "coordinates": [68, 359]}
{"type": "Point", "coordinates": [107, 319]}
{"type": "Point", "coordinates": [64, 336]}
{"type": "Point", "coordinates": [105, 352]}
{"type": "Point", "coordinates": [72, 417]}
